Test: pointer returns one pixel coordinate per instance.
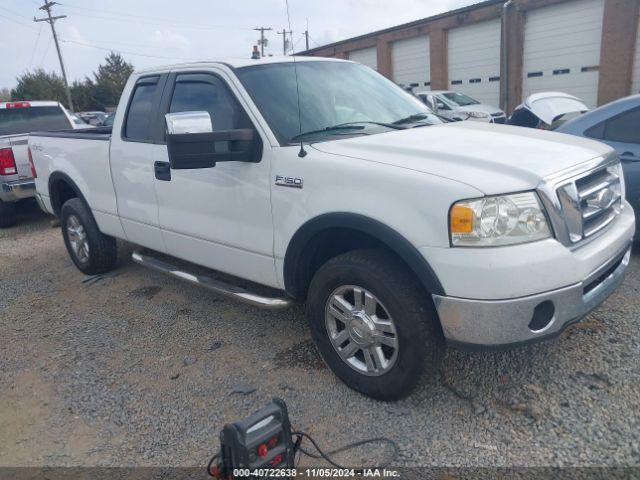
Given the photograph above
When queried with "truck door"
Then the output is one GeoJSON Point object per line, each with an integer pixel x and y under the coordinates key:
{"type": "Point", "coordinates": [133, 149]}
{"type": "Point", "coordinates": [219, 217]}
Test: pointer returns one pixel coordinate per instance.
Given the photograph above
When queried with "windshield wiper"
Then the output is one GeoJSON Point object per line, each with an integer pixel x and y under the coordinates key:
{"type": "Point", "coordinates": [412, 118]}
{"type": "Point", "coordinates": [328, 130]}
{"type": "Point", "coordinates": [345, 126]}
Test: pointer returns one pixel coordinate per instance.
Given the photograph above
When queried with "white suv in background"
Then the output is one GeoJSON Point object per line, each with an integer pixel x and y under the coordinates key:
{"type": "Point", "coordinates": [458, 106]}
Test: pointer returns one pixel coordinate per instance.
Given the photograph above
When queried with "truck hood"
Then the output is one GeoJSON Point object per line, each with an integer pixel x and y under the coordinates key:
{"type": "Point", "coordinates": [492, 158]}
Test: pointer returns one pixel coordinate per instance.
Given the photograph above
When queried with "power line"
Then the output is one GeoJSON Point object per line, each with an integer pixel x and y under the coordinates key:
{"type": "Point", "coordinates": [51, 21]}
{"type": "Point", "coordinates": [17, 22]}
{"type": "Point", "coordinates": [35, 47]}
{"type": "Point", "coordinates": [113, 16]}
{"type": "Point", "coordinates": [45, 52]}
{"type": "Point", "coordinates": [123, 51]}
{"type": "Point", "coordinates": [13, 12]}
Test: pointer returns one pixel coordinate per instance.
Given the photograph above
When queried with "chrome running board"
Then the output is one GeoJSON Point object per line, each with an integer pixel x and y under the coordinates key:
{"type": "Point", "coordinates": [216, 286]}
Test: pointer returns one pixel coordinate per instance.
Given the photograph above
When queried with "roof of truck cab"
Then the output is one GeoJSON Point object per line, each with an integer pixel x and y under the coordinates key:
{"type": "Point", "coordinates": [239, 62]}
{"type": "Point", "coordinates": [32, 103]}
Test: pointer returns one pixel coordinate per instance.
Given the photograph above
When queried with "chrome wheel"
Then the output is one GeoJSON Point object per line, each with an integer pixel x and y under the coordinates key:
{"type": "Point", "coordinates": [78, 238]}
{"type": "Point", "coordinates": [361, 330]}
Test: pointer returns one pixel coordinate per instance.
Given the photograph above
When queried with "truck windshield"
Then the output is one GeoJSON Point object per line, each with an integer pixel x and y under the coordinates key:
{"type": "Point", "coordinates": [332, 94]}
{"type": "Point", "coordinates": [15, 121]}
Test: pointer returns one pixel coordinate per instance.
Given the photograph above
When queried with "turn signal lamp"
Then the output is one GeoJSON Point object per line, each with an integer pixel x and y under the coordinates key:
{"type": "Point", "coordinates": [461, 219]}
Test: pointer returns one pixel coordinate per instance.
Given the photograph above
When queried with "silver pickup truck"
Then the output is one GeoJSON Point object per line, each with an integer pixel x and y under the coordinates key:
{"type": "Point", "coordinates": [17, 174]}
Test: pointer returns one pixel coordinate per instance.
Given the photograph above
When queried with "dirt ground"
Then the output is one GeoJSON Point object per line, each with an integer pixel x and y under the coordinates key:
{"type": "Point", "coordinates": [134, 368]}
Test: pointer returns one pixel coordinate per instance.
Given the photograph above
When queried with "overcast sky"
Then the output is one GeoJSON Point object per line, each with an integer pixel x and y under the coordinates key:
{"type": "Point", "coordinates": [154, 32]}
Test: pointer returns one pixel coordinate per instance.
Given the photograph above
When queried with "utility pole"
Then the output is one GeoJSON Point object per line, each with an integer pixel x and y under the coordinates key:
{"type": "Point", "coordinates": [262, 39]}
{"type": "Point", "coordinates": [284, 40]}
{"type": "Point", "coordinates": [51, 21]}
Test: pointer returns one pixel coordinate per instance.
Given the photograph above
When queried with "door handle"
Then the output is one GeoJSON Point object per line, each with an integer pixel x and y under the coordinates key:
{"type": "Point", "coordinates": [162, 171]}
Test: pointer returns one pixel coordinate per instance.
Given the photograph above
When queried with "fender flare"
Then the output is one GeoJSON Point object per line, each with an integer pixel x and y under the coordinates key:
{"type": "Point", "coordinates": [59, 176]}
{"type": "Point", "coordinates": [393, 240]}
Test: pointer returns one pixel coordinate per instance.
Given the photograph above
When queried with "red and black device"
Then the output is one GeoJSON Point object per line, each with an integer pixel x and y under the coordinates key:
{"type": "Point", "coordinates": [261, 441]}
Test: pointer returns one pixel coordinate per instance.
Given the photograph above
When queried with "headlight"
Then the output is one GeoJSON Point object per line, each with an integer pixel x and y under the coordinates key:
{"type": "Point", "coordinates": [499, 220]}
{"type": "Point", "coordinates": [478, 115]}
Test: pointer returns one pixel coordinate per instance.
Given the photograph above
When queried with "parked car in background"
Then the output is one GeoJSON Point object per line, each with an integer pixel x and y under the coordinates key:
{"type": "Point", "coordinates": [79, 123]}
{"type": "Point", "coordinates": [93, 118]}
{"type": "Point", "coordinates": [17, 174]}
{"type": "Point", "coordinates": [108, 122]}
{"type": "Point", "coordinates": [617, 124]}
{"type": "Point", "coordinates": [547, 110]}
{"type": "Point", "coordinates": [458, 106]}
{"type": "Point", "coordinates": [396, 229]}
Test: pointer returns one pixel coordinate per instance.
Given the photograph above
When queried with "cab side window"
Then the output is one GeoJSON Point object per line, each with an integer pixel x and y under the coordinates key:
{"type": "Point", "coordinates": [203, 92]}
{"type": "Point", "coordinates": [137, 124]}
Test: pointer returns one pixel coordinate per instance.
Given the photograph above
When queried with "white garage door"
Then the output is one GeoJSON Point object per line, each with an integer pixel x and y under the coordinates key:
{"type": "Point", "coordinates": [562, 49]}
{"type": "Point", "coordinates": [636, 64]}
{"type": "Point", "coordinates": [474, 61]}
{"type": "Point", "coordinates": [365, 56]}
{"type": "Point", "coordinates": [410, 62]}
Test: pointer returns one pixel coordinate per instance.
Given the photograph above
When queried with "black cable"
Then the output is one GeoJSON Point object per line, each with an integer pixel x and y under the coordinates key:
{"type": "Point", "coordinates": [327, 456]}
{"type": "Point", "coordinates": [213, 459]}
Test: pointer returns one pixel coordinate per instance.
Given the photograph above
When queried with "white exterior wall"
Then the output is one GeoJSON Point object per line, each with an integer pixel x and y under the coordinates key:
{"type": "Point", "coordinates": [474, 61]}
{"type": "Point", "coordinates": [562, 49]}
{"type": "Point", "coordinates": [365, 56]}
{"type": "Point", "coordinates": [411, 62]}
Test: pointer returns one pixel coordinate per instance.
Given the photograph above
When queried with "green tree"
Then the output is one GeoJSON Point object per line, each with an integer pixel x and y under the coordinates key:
{"type": "Point", "coordinates": [110, 79]}
{"type": "Point", "coordinates": [5, 94]}
{"type": "Point", "coordinates": [83, 94]}
{"type": "Point", "coordinates": [40, 85]}
{"type": "Point", "coordinates": [97, 93]}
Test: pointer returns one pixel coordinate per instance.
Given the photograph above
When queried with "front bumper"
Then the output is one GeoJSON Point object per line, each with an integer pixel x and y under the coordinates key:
{"type": "Point", "coordinates": [495, 324]}
{"type": "Point", "coordinates": [17, 190]}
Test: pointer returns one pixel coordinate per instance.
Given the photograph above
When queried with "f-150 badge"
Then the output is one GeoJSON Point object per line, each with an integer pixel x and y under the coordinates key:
{"type": "Point", "coordinates": [282, 181]}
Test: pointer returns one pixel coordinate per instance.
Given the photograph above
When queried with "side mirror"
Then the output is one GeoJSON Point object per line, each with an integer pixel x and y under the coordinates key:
{"type": "Point", "coordinates": [192, 143]}
{"type": "Point", "coordinates": [188, 122]}
{"type": "Point", "coordinates": [440, 105]}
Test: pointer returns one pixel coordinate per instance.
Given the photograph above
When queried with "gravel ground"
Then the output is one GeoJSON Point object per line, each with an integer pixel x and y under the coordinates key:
{"type": "Point", "coordinates": [135, 368]}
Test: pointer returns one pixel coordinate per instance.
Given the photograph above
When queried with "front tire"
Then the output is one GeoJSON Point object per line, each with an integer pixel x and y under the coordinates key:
{"type": "Point", "coordinates": [7, 214]}
{"type": "Point", "coordinates": [91, 251]}
{"type": "Point", "coordinates": [373, 324]}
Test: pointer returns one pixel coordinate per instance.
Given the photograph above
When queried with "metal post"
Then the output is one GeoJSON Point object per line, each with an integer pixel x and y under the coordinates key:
{"type": "Point", "coordinates": [51, 21]}
{"type": "Point", "coordinates": [262, 30]}
{"type": "Point", "coordinates": [284, 40]}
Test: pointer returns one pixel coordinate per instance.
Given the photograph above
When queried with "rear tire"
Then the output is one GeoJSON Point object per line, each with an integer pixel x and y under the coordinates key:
{"type": "Point", "coordinates": [91, 251]}
{"type": "Point", "coordinates": [393, 328]}
{"type": "Point", "coordinates": [7, 214]}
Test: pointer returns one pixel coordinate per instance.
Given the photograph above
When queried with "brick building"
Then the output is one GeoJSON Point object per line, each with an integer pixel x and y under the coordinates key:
{"type": "Point", "coordinates": [501, 51]}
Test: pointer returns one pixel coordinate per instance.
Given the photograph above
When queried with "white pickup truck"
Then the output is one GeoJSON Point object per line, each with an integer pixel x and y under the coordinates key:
{"type": "Point", "coordinates": [400, 232]}
{"type": "Point", "coordinates": [17, 119]}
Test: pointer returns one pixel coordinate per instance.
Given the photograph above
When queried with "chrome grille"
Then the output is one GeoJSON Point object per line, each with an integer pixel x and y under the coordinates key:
{"type": "Point", "coordinates": [591, 201]}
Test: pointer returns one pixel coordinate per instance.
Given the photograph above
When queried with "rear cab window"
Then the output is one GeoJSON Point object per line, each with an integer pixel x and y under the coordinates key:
{"type": "Point", "coordinates": [26, 119]}
{"type": "Point", "coordinates": [139, 124]}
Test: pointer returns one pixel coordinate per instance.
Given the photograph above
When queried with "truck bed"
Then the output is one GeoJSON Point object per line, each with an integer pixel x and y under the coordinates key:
{"type": "Point", "coordinates": [99, 133]}
{"type": "Point", "coordinates": [80, 156]}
